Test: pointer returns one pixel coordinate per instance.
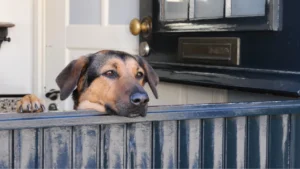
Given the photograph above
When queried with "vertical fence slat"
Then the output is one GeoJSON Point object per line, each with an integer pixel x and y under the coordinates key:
{"type": "Point", "coordinates": [236, 142]}
{"type": "Point", "coordinates": [113, 146]}
{"type": "Point", "coordinates": [213, 143]}
{"type": "Point", "coordinates": [139, 144]}
{"type": "Point", "coordinates": [295, 140]}
{"type": "Point", "coordinates": [28, 148]}
{"type": "Point", "coordinates": [189, 148]}
{"type": "Point", "coordinates": [257, 142]}
{"type": "Point", "coordinates": [278, 141]}
{"type": "Point", "coordinates": [86, 146]}
{"type": "Point", "coordinates": [58, 147]}
{"type": "Point", "coordinates": [6, 149]}
{"type": "Point", "coordinates": [165, 144]}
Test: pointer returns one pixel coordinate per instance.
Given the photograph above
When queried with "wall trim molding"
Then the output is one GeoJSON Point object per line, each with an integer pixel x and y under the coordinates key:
{"type": "Point", "coordinates": [38, 47]}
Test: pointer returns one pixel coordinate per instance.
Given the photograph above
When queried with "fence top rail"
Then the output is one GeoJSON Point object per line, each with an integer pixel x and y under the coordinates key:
{"type": "Point", "coordinates": [155, 113]}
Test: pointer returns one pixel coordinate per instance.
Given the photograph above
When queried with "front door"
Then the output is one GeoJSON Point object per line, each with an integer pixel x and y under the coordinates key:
{"type": "Point", "coordinates": [76, 27]}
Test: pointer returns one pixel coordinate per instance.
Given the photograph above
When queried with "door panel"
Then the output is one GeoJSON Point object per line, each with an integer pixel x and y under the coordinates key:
{"type": "Point", "coordinates": [101, 37]}
{"type": "Point", "coordinates": [207, 9]}
{"type": "Point", "coordinates": [175, 10]}
{"type": "Point", "coordinates": [121, 13]}
{"type": "Point", "coordinates": [85, 12]}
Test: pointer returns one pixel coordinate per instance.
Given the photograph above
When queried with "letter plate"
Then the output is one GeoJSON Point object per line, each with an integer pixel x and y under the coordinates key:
{"type": "Point", "coordinates": [210, 50]}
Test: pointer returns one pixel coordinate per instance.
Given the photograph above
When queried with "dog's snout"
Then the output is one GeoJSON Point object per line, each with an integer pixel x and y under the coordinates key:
{"type": "Point", "coordinates": [139, 99]}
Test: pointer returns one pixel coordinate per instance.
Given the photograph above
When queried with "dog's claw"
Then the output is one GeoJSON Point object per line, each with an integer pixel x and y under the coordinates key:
{"type": "Point", "coordinates": [36, 107]}
{"type": "Point", "coordinates": [29, 107]}
{"type": "Point", "coordinates": [30, 104]}
{"type": "Point", "coordinates": [43, 107]}
{"type": "Point", "coordinates": [20, 109]}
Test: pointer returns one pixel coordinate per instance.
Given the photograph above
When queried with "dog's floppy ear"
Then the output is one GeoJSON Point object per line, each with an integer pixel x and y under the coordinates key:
{"type": "Point", "coordinates": [69, 76]}
{"type": "Point", "coordinates": [151, 76]}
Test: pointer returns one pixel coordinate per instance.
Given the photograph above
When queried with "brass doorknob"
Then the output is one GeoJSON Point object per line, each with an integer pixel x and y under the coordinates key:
{"type": "Point", "coordinates": [145, 26]}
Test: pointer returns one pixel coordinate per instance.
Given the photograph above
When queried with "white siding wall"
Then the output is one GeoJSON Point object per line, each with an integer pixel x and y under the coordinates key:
{"type": "Point", "coordinates": [16, 56]}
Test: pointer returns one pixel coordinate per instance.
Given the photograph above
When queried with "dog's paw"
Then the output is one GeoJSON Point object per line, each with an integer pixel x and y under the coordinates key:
{"type": "Point", "coordinates": [30, 104]}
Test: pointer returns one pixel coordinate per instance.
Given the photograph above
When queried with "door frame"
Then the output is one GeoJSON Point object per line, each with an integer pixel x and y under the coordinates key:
{"type": "Point", "coordinates": [39, 49]}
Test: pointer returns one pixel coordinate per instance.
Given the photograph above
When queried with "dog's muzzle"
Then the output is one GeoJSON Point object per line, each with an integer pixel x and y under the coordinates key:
{"type": "Point", "coordinates": [139, 99]}
{"type": "Point", "coordinates": [139, 102]}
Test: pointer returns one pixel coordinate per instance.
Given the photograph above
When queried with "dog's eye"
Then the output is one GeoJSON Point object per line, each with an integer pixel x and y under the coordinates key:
{"type": "Point", "coordinates": [111, 74]}
{"type": "Point", "coordinates": [139, 75]}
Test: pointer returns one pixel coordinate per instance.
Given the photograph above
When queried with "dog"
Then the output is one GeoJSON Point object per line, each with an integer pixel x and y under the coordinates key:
{"type": "Point", "coordinates": [108, 81]}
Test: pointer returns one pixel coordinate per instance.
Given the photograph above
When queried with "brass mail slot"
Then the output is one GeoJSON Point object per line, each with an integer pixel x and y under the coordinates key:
{"type": "Point", "coordinates": [210, 50]}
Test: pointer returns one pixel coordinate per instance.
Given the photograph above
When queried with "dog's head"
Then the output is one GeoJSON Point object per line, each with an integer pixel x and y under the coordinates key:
{"type": "Point", "coordinates": [111, 81]}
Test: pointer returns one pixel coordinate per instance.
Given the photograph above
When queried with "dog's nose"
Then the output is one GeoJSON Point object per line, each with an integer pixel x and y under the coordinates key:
{"type": "Point", "coordinates": [139, 99]}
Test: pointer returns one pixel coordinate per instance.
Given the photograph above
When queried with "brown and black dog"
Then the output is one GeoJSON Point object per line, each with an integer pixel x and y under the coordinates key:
{"type": "Point", "coordinates": [107, 81]}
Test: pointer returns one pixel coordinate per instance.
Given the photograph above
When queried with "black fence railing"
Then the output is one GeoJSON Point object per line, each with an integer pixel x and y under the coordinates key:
{"type": "Point", "coordinates": [231, 135]}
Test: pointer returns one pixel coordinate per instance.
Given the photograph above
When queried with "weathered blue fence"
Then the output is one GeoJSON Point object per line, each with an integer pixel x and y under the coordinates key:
{"type": "Point", "coordinates": [240, 135]}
